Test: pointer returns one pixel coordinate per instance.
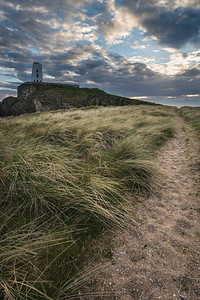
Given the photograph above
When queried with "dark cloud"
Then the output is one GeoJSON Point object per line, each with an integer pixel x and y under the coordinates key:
{"type": "Point", "coordinates": [36, 23]}
{"type": "Point", "coordinates": [174, 27]}
{"type": "Point", "coordinates": [115, 74]}
{"type": "Point", "coordinates": [124, 78]}
{"type": "Point", "coordinates": [29, 31]}
{"type": "Point", "coordinates": [9, 85]}
{"type": "Point", "coordinates": [8, 89]}
{"type": "Point", "coordinates": [192, 73]}
{"type": "Point", "coordinates": [10, 39]}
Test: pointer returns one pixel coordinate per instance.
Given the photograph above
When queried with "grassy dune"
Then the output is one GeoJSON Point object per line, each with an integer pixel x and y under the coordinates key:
{"type": "Point", "coordinates": [192, 116]}
{"type": "Point", "coordinates": [65, 177]}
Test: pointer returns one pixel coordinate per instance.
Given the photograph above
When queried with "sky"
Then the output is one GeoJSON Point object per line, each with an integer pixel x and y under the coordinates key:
{"type": "Point", "coordinates": [143, 49]}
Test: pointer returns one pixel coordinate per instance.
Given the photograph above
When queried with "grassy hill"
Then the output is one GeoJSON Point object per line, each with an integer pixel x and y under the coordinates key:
{"type": "Point", "coordinates": [44, 96]}
{"type": "Point", "coordinates": [67, 178]}
{"type": "Point", "coordinates": [80, 94]}
{"type": "Point", "coordinates": [75, 93]}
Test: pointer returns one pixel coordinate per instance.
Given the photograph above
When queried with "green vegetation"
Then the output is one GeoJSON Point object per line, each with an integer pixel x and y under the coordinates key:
{"type": "Point", "coordinates": [192, 116]}
{"type": "Point", "coordinates": [75, 93]}
{"type": "Point", "coordinates": [65, 177]}
{"type": "Point", "coordinates": [78, 94]}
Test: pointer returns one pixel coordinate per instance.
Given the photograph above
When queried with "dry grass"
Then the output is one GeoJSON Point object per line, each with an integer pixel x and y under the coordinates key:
{"type": "Point", "coordinates": [65, 176]}
{"type": "Point", "coordinates": [192, 116]}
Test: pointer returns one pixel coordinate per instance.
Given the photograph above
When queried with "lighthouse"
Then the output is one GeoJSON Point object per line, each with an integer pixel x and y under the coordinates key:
{"type": "Point", "coordinates": [37, 72]}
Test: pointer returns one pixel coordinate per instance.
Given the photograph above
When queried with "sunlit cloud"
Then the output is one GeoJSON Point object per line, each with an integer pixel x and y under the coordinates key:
{"type": "Point", "coordinates": [119, 25]}
{"type": "Point", "coordinates": [198, 95]}
{"type": "Point", "coordinates": [140, 49]}
{"type": "Point", "coordinates": [136, 45]}
{"type": "Point", "coordinates": [139, 97]}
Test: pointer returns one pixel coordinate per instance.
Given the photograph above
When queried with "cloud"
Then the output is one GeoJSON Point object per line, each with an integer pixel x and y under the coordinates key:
{"type": "Point", "coordinates": [59, 22]}
{"type": "Point", "coordinates": [116, 74]}
{"type": "Point", "coordinates": [184, 3]}
{"type": "Point", "coordinates": [178, 63]}
{"type": "Point", "coordinates": [173, 26]}
{"type": "Point", "coordinates": [136, 45]}
{"type": "Point", "coordinates": [92, 65]}
{"type": "Point", "coordinates": [192, 73]}
{"type": "Point", "coordinates": [32, 31]}
{"type": "Point", "coordinates": [43, 25]}
{"type": "Point", "coordinates": [117, 22]}
{"type": "Point", "coordinates": [198, 95]}
{"type": "Point", "coordinates": [72, 40]}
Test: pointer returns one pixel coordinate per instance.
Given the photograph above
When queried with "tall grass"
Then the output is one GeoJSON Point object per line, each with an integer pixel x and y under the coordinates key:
{"type": "Point", "coordinates": [192, 116]}
{"type": "Point", "coordinates": [64, 177]}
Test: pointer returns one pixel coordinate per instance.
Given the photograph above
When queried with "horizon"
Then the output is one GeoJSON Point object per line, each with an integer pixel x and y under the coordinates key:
{"type": "Point", "coordinates": [146, 50]}
{"type": "Point", "coordinates": [177, 103]}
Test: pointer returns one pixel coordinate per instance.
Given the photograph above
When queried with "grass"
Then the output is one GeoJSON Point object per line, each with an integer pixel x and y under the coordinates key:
{"type": "Point", "coordinates": [65, 177]}
{"type": "Point", "coordinates": [76, 93]}
{"type": "Point", "coordinates": [192, 116]}
{"type": "Point", "coordinates": [80, 94]}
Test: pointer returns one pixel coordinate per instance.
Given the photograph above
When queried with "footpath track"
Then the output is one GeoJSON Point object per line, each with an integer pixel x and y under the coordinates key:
{"type": "Point", "coordinates": [159, 258]}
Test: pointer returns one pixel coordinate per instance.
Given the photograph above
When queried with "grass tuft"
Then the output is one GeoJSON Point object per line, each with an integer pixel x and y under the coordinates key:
{"type": "Point", "coordinates": [192, 116]}
{"type": "Point", "coordinates": [64, 177]}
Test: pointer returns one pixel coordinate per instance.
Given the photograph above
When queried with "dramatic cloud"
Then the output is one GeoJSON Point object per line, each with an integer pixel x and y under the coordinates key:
{"type": "Point", "coordinates": [172, 25]}
{"type": "Point", "coordinates": [118, 24]}
{"type": "Point", "coordinates": [174, 28]}
{"type": "Point", "coordinates": [132, 48]}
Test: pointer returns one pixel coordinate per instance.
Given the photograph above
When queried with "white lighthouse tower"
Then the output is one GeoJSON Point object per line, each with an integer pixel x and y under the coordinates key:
{"type": "Point", "coordinates": [37, 72]}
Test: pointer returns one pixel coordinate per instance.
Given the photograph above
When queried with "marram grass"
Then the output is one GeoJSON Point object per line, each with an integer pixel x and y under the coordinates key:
{"type": "Point", "coordinates": [192, 116]}
{"type": "Point", "coordinates": [64, 177]}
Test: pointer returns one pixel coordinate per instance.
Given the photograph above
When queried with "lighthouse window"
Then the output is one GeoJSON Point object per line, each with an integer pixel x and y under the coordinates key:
{"type": "Point", "coordinates": [37, 70]}
{"type": "Point", "coordinates": [37, 75]}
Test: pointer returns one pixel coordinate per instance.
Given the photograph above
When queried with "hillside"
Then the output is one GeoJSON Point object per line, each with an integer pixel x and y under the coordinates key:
{"type": "Point", "coordinates": [34, 97]}
{"type": "Point", "coordinates": [68, 179]}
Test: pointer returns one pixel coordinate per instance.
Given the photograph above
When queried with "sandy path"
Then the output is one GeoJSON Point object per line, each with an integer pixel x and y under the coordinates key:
{"type": "Point", "coordinates": [159, 259]}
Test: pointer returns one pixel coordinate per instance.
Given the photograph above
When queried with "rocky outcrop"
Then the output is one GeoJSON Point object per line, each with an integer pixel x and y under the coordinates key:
{"type": "Point", "coordinates": [6, 106]}
{"type": "Point", "coordinates": [31, 98]}
{"type": "Point", "coordinates": [34, 97]}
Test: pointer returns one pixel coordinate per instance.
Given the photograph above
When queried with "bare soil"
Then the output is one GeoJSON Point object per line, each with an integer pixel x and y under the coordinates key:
{"type": "Point", "coordinates": [159, 258]}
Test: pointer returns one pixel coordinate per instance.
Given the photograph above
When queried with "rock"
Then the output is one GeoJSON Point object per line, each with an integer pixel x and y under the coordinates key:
{"type": "Point", "coordinates": [7, 105]}
{"type": "Point", "coordinates": [43, 96]}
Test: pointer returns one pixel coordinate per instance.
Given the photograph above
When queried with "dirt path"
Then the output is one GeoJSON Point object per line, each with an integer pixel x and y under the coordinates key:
{"type": "Point", "coordinates": [159, 259]}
